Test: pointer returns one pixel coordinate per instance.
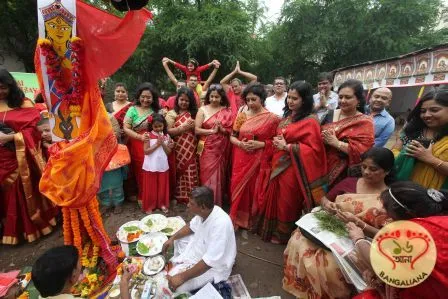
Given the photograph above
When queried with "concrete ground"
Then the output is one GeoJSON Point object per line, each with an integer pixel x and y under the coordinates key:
{"type": "Point", "coordinates": [258, 262]}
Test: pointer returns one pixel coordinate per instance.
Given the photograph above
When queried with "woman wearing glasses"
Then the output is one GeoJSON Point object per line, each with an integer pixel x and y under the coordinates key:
{"type": "Point", "coordinates": [252, 135]}
{"type": "Point", "coordinates": [213, 125]}
{"type": "Point", "coordinates": [135, 126]}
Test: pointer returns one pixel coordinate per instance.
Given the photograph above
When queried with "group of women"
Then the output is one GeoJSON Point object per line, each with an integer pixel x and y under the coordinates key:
{"type": "Point", "coordinates": [270, 170]}
{"type": "Point", "coordinates": [395, 185]}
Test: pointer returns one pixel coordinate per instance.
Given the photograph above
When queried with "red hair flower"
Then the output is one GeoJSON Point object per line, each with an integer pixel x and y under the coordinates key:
{"type": "Point", "coordinates": [150, 119]}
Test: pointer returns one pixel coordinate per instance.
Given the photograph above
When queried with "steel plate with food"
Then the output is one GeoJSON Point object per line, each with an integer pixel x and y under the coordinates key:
{"type": "Point", "coordinates": [151, 244]}
{"type": "Point", "coordinates": [153, 265]}
{"type": "Point", "coordinates": [174, 224]}
{"type": "Point", "coordinates": [130, 232]}
{"type": "Point", "coordinates": [154, 223]}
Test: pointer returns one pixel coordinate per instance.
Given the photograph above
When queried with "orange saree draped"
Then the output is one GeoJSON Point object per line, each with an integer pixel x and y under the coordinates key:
{"type": "Point", "coordinates": [215, 154]}
{"type": "Point", "coordinates": [246, 165]}
{"type": "Point", "coordinates": [358, 132]}
{"type": "Point", "coordinates": [23, 210]}
{"type": "Point", "coordinates": [295, 182]}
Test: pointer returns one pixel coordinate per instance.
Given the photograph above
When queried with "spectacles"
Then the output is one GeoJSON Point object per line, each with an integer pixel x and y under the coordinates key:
{"type": "Point", "coordinates": [279, 83]}
{"type": "Point", "coordinates": [216, 86]}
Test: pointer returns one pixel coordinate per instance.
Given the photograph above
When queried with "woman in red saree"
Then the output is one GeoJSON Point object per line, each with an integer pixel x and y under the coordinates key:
{"type": "Point", "coordinates": [119, 107]}
{"type": "Point", "coordinates": [135, 126]}
{"type": "Point", "coordinates": [213, 124]}
{"type": "Point", "coordinates": [24, 212]}
{"type": "Point", "coordinates": [347, 132]}
{"type": "Point", "coordinates": [181, 127]}
{"type": "Point", "coordinates": [296, 178]}
{"type": "Point", "coordinates": [252, 135]}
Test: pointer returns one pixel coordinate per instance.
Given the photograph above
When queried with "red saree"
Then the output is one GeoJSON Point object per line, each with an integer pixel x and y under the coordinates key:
{"type": "Point", "coordinates": [120, 114]}
{"type": "Point", "coordinates": [215, 154]}
{"type": "Point", "coordinates": [23, 210]}
{"type": "Point", "coordinates": [296, 179]}
{"type": "Point", "coordinates": [139, 125]}
{"type": "Point", "coordinates": [358, 132]}
{"type": "Point", "coordinates": [186, 160]}
{"type": "Point", "coordinates": [246, 165]}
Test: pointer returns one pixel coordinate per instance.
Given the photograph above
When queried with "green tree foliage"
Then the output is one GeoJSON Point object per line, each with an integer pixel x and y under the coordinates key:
{"type": "Point", "coordinates": [204, 30]}
{"type": "Point", "coordinates": [322, 35]}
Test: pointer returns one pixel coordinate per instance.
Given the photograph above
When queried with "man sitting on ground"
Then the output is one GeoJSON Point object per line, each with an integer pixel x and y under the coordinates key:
{"type": "Point", "coordinates": [204, 249]}
{"type": "Point", "coordinates": [57, 271]}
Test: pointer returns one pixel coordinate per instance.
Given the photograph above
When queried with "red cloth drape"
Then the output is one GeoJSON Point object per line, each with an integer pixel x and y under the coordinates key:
{"type": "Point", "coordinates": [295, 180]}
{"type": "Point", "coordinates": [214, 158]}
{"type": "Point", "coordinates": [109, 41]}
{"type": "Point", "coordinates": [436, 285]}
{"type": "Point", "coordinates": [358, 132]}
{"type": "Point", "coordinates": [32, 215]}
{"type": "Point", "coordinates": [246, 166]}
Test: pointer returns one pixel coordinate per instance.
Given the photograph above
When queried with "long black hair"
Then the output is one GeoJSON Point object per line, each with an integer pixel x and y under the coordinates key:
{"type": "Point", "coordinates": [156, 117]}
{"type": "Point", "coordinates": [192, 107]}
{"type": "Point", "coordinates": [407, 200]}
{"type": "Point", "coordinates": [220, 90]}
{"type": "Point", "coordinates": [154, 92]}
{"type": "Point", "coordinates": [15, 96]}
{"type": "Point", "coordinates": [384, 158]}
{"type": "Point", "coordinates": [415, 124]}
{"type": "Point", "coordinates": [305, 91]}
{"type": "Point", "coordinates": [358, 90]}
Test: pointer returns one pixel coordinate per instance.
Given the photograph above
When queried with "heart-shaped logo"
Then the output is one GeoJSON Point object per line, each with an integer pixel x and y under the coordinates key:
{"type": "Point", "coordinates": [403, 254]}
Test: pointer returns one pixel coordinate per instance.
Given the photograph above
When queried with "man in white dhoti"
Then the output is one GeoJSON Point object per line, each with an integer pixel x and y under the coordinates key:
{"type": "Point", "coordinates": [205, 248]}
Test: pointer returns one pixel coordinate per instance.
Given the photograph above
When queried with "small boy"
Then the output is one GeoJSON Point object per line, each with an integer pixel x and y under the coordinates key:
{"type": "Point", "coordinates": [44, 128]}
{"type": "Point", "coordinates": [57, 271]}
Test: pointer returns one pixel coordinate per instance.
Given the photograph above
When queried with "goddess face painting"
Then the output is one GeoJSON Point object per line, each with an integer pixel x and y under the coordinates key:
{"type": "Point", "coordinates": [58, 30]}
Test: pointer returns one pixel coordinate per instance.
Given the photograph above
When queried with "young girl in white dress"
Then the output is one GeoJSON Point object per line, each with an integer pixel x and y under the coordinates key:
{"type": "Point", "coordinates": [156, 182]}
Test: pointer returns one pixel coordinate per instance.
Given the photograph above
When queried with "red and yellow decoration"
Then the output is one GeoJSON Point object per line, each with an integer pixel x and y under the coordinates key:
{"type": "Point", "coordinates": [73, 62]}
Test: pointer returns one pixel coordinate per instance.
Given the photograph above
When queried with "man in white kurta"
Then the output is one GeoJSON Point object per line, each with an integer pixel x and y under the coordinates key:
{"type": "Point", "coordinates": [204, 249]}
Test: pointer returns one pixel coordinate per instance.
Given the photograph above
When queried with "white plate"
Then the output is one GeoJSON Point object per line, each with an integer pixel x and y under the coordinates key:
{"type": "Point", "coordinates": [173, 226]}
{"type": "Point", "coordinates": [122, 234]}
{"type": "Point", "coordinates": [153, 265]}
{"type": "Point", "coordinates": [154, 241]}
{"type": "Point", "coordinates": [154, 223]}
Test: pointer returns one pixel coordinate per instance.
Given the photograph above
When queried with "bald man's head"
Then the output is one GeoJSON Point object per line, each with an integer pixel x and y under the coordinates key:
{"type": "Point", "coordinates": [380, 99]}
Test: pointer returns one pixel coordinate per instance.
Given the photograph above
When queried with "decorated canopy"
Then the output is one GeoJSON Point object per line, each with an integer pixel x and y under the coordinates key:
{"type": "Point", "coordinates": [424, 67]}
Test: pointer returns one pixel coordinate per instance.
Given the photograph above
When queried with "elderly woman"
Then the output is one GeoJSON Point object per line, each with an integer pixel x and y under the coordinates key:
{"type": "Point", "coordinates": [135, 126]}
{"type": "Point", "coordinates": [213, 124]}
{"type": "Point", "coordinates": [426, 207]}
{"type": "Point", "coordinates": [252, 135]}
{"type": "Point", "coordinates": [422, 150]}
{"type": "Point", "coordinates": [24, 212]}
{"type": "Point", "coordinates": [295, 177]}
{"type": "Point", "coordinates": [347, 132]}
{"type": "Point", "coordinates": [181, 127]}
{"type": "Point", "coordinates": [313, 271]}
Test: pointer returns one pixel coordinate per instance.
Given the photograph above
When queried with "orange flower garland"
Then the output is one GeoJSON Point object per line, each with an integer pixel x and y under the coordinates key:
{"type": "Point", "coordinates": [66, 226]}
{"type": "Point", "coordinates": [76, 229]}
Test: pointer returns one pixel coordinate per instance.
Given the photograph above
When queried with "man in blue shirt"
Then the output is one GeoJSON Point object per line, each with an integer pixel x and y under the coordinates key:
{"type": "Point", "coordinates": [384, 122]}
